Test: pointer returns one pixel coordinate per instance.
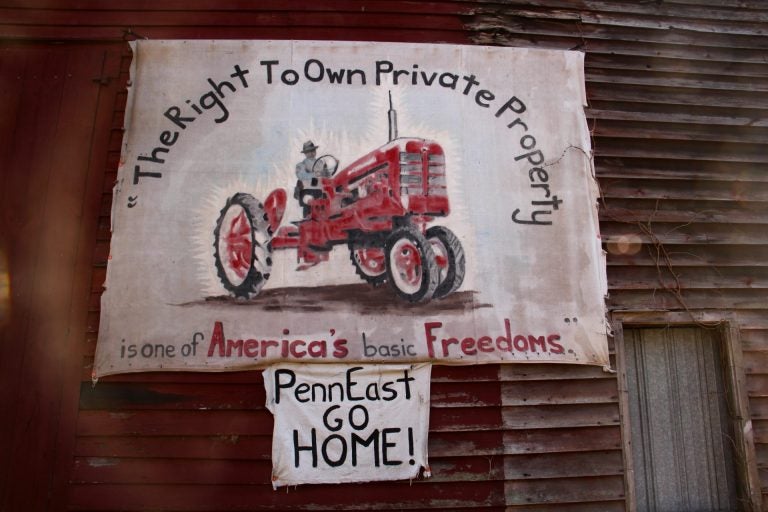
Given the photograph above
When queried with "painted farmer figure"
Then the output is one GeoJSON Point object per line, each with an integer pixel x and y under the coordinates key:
{"type": "Point", "coordinates": [308, 172]}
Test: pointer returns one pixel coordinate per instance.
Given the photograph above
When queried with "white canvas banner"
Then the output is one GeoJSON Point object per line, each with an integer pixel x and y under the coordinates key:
{"type": "Point", "coordinates": [341, 202]}
{"type": "Point", "coordinates": [340, 423]}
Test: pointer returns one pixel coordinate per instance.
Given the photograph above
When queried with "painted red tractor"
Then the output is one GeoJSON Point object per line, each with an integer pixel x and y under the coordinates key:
{"type": "Point", "coordinates": [379, 206]}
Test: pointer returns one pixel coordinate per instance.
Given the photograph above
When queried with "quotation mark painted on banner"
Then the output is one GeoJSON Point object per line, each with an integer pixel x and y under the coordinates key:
{"type": "Point", "coordinates": [132, 201]}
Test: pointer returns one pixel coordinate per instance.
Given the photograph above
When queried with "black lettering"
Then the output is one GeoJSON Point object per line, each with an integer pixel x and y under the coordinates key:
{"type": "Point", "coordinates": [385, 445]}
{"type": "Point", "coordinates": [449, 80]}
{"type": "Point", "coordinates": [342, 452]}
{"type": "Point", "coordinates": [406, 379]}
{"type": "Point", "coordinates": [337, 423]}
{"type": "Point", "coordinates": [154, 158]}
{"type": "Point", "coordinates": [398, 73]}
{"type": "Point", "coordinates": [138, 173]}
{"type": "Point", "coordinates": [391, 393]}
{"type": "Point", "coordinates": [311, 448]}
{"type": "Point", "coordinates": [269, 64]}
{"type": "Point", "coordinates": [240, 73]}
{"type": "Point", "coordinates": [303, 389]}
{"type": "Point", "coordinates": [194, 107]}
{"type": "Point", "coordinates": [320, 70]}
{"type": "Point", "coordinates": [174, 115]}
{"type": "Point", "coordinates": [516, 122]}
{"type": "Point", "coordinates": [218, 87]}
{"type": "Point", "coordinates": [354, 72]}
{"type": "Point", "coordinates": [215, 101]}
{"type": "Point", "coordinates": [289, 77]}
{"type": "Point", "coordinates": [528, 142]}
{"type": "Point", "coordinates": [335, 77]}
{"type": "Point", "coordinates": [351, 383]}
{"type": "Point", "coordinates": [364, 423]}
{"type": "Point", "coordinates": [514, 104]}
{"type": "Point", "coordinates": [168, 138]}
{"type": "Point", "coordinates": [537, 155]}
{"type": "Point", "coordinates": [382, 67]}
{"type": "Point", "coordinates": [430, 80]}
{"type": "Point", "coordinates": [278, 385]}
{"type": "Point", "coordinates": [372, 439]}
{"type": "Point", "coordinates": [533, 219]}
{"type": "Point", "coordinates": [484, 98]}
{"type": "Point", "coordinates": [554, 203]}
{"type": "Point", "coordinates": [470, 82]}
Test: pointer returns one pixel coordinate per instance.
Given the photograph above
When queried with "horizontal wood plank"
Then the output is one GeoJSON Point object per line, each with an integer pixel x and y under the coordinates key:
{"type": "Point", "coordinates": [534, 392]}
{"type": "Point", "coordinates": [580, 439]}
{"type": "Point", "coordinates": [558, 490]}
{"type": "Point", "coordinates": [561, 465]}
{"type": "Point", "coordinates": [560, 416]}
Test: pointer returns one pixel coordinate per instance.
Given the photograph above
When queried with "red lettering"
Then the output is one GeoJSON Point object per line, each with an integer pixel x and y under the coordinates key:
{"type": "Point", "coordinates": [485, 344]}
{"type": "Point", "coordinates": [471, 346]}
{"type": "Point", "coordinates": [468, 346]}
{"type": "Point", "coordinates": [340, 349]}
{"type": "Point", "coordinates": [504, 343]}
{"type": "Point", "coordinates": [236, 345]}
{"type": "Point", "coordinates": [317, 349]}
{"type": "Point", "coordinates": [251, 348]}
{"type": "Point", "coordinates": [537, 341]}
{"type": "Point", "coordinates": [556, 348]}
{"type": "Point", "coordinates": [265, 344]}
{"type": "Point", "coordinates": [294, 348]}
{"type": "Point", "coordinates": [217, 340]}
{"type": "Point", "coordinates": [447, 343]}
{"type": "Point", "coordinates": [430, 338]}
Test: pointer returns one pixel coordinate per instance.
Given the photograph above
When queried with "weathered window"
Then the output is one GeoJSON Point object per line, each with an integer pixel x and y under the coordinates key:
{"type": "Point", "coordinates": [681, 439]}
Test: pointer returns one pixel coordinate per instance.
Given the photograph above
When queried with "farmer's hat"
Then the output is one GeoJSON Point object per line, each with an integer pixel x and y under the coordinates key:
{"type": "Point", "coordinates": [309, 146]}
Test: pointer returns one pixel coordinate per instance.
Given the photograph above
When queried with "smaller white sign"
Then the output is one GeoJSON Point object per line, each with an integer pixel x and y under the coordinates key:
{"type": "Point", "coordinates": [344, 423]}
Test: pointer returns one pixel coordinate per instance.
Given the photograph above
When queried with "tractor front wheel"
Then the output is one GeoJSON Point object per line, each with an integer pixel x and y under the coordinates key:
{"type": "Point", "coordinates": [369, 263]}
{"type": "Point", "coordinates": [242, 249]}
{"type": "Point", "coordinates": [411, 265]}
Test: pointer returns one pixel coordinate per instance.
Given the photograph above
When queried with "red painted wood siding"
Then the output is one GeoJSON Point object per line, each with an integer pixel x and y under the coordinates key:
{"type": "Point", "coordinates": [677, 106]}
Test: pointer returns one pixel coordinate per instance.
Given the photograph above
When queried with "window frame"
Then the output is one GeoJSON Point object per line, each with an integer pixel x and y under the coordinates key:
{"type": "Point", "coordinates": [737, 397]}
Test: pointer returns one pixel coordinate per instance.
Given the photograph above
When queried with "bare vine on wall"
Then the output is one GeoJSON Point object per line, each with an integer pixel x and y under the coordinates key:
{"type": "Point", "coordinates": [657, 250]}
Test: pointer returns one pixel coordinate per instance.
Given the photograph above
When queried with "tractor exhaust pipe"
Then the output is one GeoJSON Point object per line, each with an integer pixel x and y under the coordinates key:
{"type": "Point", "coordinates": [392, 115]}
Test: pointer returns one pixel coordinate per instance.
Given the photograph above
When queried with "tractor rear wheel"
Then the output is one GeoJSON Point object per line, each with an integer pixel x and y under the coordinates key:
{"type": "Point", "coordinates": [411, 266]}
{"type": "Point", "coordinates": [450, 259]}
{"type": "Point", "coordinates": [242, 249]}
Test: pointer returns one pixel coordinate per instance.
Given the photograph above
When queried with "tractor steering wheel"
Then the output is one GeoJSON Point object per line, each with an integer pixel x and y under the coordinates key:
{"type": "Point", "coordinates": [328, 163]}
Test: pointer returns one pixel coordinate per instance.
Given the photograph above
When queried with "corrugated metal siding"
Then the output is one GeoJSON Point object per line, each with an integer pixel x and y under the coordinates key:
{"type": "Point", "coordinates": [678, 111]}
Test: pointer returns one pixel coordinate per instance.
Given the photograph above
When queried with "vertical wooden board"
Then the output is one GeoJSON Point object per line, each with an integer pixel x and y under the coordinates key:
{"type": "Point", "coordinates": [26, 169]}
{"type": "Point", "coordinates": [12, 64]}
{"type": "Point", "coordinates": [12, 70]}
{"type": "Point", "coordinates": [54, 197]}
{"type": "Point", "coordinates": [110, 57]}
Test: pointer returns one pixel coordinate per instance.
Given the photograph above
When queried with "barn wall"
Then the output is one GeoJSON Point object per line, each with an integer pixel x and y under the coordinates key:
{"type": "Point", "coordinates": [677, 107]}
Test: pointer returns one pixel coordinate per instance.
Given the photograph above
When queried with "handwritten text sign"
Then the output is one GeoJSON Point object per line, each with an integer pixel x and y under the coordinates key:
{"type": "Point", "coordinates": [341, 423]}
